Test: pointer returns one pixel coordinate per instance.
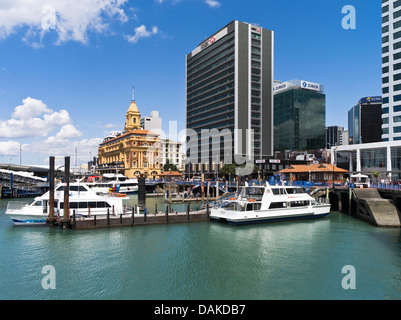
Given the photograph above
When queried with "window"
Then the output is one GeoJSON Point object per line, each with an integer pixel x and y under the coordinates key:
{"type": "Point", "coordinates": [278, 205]}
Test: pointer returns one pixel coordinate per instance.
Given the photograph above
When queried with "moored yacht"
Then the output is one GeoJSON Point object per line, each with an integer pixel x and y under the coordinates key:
{"type": "Point", "coordinates": [257, 204]}
{"type": "Point", "coordinates": [82, 199]}
{"type": "Point", "coordinates": [112, 183]}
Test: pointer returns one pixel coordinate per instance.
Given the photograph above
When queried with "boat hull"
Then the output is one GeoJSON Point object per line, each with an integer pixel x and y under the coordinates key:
{"type": "Point", "coordinates": [27, 220]}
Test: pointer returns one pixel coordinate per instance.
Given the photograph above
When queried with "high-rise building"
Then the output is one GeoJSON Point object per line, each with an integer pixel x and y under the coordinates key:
{"type": "Point", "coordinates": [229, 80]}
{"type": "Point", "coordinates": [299, 116]}
{"type": "Point", "coordinates": [365, 122]}
{"type": "Point", "coordinates": [391, 69]}
{"type": "Point", "coordinates": [152, 123]}
{"type": "Point", "coordinates": [334, 136]}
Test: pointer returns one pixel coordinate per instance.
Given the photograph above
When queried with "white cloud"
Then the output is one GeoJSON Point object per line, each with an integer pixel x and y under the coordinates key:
{"type": "Point", "coordinates": [30, 108]}
{"type": "Point", "coordinates": [142, 32]}
{"type": "Point", "coordinates": [71, 20]}
{"type": "Point", "coordinates": [213, 3]}
{"type": "Point", "coordinates": [28, 123]}
{"type": "Point", "coordinates": [9, 148]}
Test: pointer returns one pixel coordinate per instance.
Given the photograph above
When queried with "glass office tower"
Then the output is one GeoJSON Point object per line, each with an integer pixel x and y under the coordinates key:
{"type": "Point", "coordinates": [299, 116]}
{"type": "Point", "coordinates": [229, 79]}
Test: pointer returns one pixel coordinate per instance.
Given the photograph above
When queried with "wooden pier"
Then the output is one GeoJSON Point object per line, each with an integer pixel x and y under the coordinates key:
{"type": "Point", "coordinates": [131, 220]}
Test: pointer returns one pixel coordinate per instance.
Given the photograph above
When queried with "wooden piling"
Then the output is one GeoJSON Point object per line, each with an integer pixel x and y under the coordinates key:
{"type": "Point", "coordinates": [73, 219]}
{"type": "Point", "coordinates": [52, 220]}
{"type": "Point", "coordinates": [133, 215]}
{"type": "Point", "coordinates": [167, 214]}
{"type": "Point", "coordinates": [66, 216]}
{"type": "Point", "coordinates": [108, 216]}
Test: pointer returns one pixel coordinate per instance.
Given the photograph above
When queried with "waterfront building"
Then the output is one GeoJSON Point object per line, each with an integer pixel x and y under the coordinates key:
{"type": "Point", "coordinates": [365, 121]}
{"type": "Point", "coordinates": [299, 116]}
{"type": "Point", "coordinates": [152, 123]}
{"type": "Point", "coordinates": [133, 152]}
{"type": "Point", "coordinates": [229, 80]}
{"type": "Point", "coordinates": [384, 157]}
{"type": "Point", "coordinates": [391, 70]}
{"type": "Point", "coordinates": [171, 150]}
{"type": "Point", "coordinates": [323, 172]}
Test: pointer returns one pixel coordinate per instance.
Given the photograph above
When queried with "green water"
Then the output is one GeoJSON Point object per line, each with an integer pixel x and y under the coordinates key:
{"type": "Point", "coordinates": [203, 260]}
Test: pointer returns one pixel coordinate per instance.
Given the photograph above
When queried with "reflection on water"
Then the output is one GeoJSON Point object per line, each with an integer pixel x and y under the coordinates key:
{"type": "Point", "coordinates": [202, 260]}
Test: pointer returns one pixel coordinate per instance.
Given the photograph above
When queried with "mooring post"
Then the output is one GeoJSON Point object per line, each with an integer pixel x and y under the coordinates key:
{"type": "Point", "coordinates": [167, 214]}
{"type": "Point", "coordinates": [73, 219]}
{"type": "Point", "coordinates": [188, 211]}
{"type": "Point", "coordinates": [51, 192]}
{"type": "Point", "coordinates": [121, 218]}
{"type": "Point", "coordinates": [108, 216]}
{"type": "Point", "coordinates": [155, 208]}
{"type": "Point", "coordinates": [66, 216]}
{"type": "Point", "coordinates": [133, 214]}
{"type": "Point", "coordinates": [146, 212]}
{"type": "Point", "coordinates": [207, 210]}
{"type": "Point", "coordinates": [95, 219]}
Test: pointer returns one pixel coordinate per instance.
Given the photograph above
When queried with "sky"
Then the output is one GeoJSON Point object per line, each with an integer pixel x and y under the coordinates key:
{"type": "Point", "coordinates": [67, 67]}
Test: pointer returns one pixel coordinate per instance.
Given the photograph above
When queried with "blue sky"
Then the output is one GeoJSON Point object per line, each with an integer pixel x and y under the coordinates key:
{"type": "Point", "coordinates": [65, 82]}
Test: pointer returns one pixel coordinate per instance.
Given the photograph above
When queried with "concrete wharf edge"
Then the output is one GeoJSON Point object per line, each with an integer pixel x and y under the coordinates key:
{"type": "Point", "coordinates": [139, 220]}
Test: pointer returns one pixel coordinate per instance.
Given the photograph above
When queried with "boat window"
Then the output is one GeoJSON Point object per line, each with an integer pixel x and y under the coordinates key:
{"type": "Point", "coordinates": [252, 193]}
{"type": "Point", "coordinates": [73, 205]}
{"type": "Point", "coordinates": [72, 188]}
{"type": "Point", "coordinates": [278, 205]}
{"type": "Point", "coordinates": [256, 206]}
{"type": "Point", "coordinates": [92, 204]}
{"type": "Point", "coordinates": [300, 190]}
{"type": "Point", "coordinates": [299, 203]}
{"type": "Point", "coordinates": [83, 205]}
{"type": "Point", "coordinates": [276, 191]}
{"type": "Point", "coordinates": [37, 203]}
{"type": "Point", "coordinates": [291, 190]}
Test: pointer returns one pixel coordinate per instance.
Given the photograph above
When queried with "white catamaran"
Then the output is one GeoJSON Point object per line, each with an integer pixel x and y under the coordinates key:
{"type": "Point", "coordinates": [81, 199]}
{"type": "Point", "coordinates": [257, 204]}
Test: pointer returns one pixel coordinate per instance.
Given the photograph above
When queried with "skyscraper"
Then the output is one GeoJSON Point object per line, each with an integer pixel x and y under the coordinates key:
{"type": "Point", "coordinates": [229, 80]}
{"type": "Point", "coordinates": [391, 70]}
{"type": "Point", "coordinates": [299, 116]}
{"type": "Point", "coordinates": [365, 122]}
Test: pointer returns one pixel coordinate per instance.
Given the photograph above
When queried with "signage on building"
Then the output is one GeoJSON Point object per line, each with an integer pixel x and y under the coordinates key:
{"type": "Point", "coordinates": [280, 87]}
{"type": "Point", "coordinates": [371, 100]}
{"type": "Point", "coordinates": [310, 85]}
{"type": "Point", "coordinates": [210, 41]}
{"type": "Point", "coordinates": [274, 161]}
{"type": "Point", "coordinates": [260, 161]}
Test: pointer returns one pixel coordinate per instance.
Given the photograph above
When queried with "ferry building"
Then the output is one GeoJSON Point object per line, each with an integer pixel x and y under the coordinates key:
{"type": "Point", "coordinates": [132, 152]}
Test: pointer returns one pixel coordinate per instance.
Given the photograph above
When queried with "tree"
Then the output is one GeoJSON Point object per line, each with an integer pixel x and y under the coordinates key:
{"type": "Point", "coordinates": [169, 166]}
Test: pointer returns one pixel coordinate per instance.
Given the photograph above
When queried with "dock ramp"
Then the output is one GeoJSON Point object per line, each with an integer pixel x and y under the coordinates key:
{"type": "Point", "coordinates": [371, 207]}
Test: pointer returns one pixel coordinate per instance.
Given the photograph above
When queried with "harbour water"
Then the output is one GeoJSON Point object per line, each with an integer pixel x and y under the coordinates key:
{"type": "Point", "coordinates": [202, 260]}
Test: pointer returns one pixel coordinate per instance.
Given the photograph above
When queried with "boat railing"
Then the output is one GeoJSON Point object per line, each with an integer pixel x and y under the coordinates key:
{"type": "Point", "coordinates": [16, 205]}
{"type": "Point", "coordinates": [222, 201]}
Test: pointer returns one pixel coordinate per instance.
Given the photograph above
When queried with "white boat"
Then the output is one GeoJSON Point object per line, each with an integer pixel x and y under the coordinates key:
{"type": "Point", "coordinates": [258, 204]}
{"type": "Point", "coordinates": [82, 199]}
{"type": "Point", "coordinates": [112, 183]}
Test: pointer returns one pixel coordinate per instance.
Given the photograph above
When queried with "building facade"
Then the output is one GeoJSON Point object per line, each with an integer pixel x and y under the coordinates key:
{"type": "Point", "coordinates": [365, 121]}
{"type": "Point", "coordinates": [171, 150]}
{"type": "Point", "coordinates": [133, 152]}
{"type": "Point", "coordinates": [336, 136]}
{"type": "Point", "coordinates": [152, 123]}
{"type": "Point", "coordinates": [299, 116]}
{"type": "Point", "coordinates": [391, 70]}
{"type": "Point", "coordinates": [229, 79]}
